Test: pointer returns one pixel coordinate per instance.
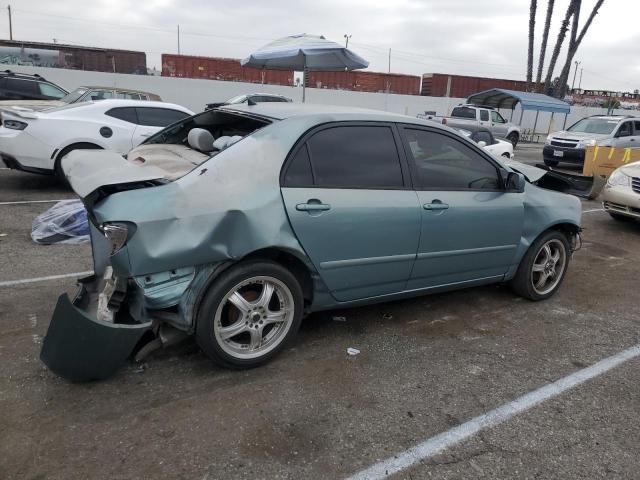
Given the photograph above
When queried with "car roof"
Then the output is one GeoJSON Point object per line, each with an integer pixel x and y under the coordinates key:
{"type": "Point", "coordinates": [612, 117]}
{"type": "Point", "coordinates": [282, 111]}
{"type": "Point", "coordinates": [95, 87]}
{"type": "Point", "coordinates": [115, 103]}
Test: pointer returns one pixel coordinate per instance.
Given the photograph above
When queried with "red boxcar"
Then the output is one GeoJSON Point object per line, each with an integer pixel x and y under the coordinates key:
{"type": "Point", "coordinates": [228, 69]}
{"type": "Point", "coordinates": [362, 81]}
{"type": "Point", "coordinates": [461, 86]}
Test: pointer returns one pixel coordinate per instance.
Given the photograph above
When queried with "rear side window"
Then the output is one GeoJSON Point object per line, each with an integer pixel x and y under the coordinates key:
{"type": "Point", "coordinates": [127, 114]}
{"type": "Point", "coordinates": [130, 96]}
{"type": "Point", "coordinates": [444, 163]}
{"type": "Point", "coordinates": [464, 112]}
{"type": "Point", "coordinates": [484, 115]}
{"type": "Point", "coordinates": [636, 125]}
{"type": "Point", "coordinates": [355, 157]}
{"type": "Point", "coordinates": [158, 117]}
{"type": "Point", "coordinates": [25, 87]}
{"type": "Point", "coordinates": [299, 170]}
{"type": "Point", "coordinates": [96, 95]}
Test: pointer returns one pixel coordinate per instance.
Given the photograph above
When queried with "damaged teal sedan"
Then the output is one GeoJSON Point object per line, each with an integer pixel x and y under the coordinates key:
{"type": "Point", "coordinates": [234, 224]}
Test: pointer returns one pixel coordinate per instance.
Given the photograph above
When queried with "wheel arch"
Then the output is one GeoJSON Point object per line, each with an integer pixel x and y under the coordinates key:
{"type": "Point", "coordinates": [298, 267]}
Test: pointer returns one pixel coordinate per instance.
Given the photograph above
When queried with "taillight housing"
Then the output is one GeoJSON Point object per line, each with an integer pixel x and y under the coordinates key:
{"type": "Point", "coordinates": [14, 124]}
{"type": "Point", "coordinates": [117, 233]}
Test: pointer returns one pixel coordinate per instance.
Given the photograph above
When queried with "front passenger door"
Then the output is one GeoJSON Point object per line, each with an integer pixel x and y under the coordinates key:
{"type": "Point", "coordinates": [471, 226]}
{"type": "Point", "coordinates": [347, 194]}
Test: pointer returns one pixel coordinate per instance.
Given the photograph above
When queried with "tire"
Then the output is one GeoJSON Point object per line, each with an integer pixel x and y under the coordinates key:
{"type": "Point", "coordinates": [620, 218]}
{"type": "Point", "coordinates": [551, 163]}
{"type": "Point", "coordinates": [57, 167]}
{"type": "Point", "coordinates": [513, 137]}
{"type": "Point", "coordinates": [526, 282]}
{"type": "Point", "coordinates": [254, 340]}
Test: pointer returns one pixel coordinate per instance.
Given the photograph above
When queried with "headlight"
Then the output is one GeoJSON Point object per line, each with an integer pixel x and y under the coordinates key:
{"type": "Point", "coordinates": [117, 234]}
{"type": "Point", "coordinates": [587, 143]}
{"type": "Point", "coordinates": [618, 178]}
{"type": "Point", "coordinates": [548, 141]}
{"type": "Point", "coordinates": [15, 124]}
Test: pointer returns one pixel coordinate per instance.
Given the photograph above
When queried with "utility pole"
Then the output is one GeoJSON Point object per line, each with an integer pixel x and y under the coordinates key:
{"type": "Point", "coordinates": [580, 81]}
{"type": "Point", "coordinates": [178, 39]}
{"type": "Point", "coordinates": [577, 63]}
{"type": "Point", "coordinates": [10, 24]}
{"type": "Point", "coordinates": [346, 43]}
{"type": "Point", "coordinates": [389, 68]}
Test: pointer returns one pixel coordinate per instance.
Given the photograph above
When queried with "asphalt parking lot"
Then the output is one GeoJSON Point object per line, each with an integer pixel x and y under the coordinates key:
{"type": "Point", "coordinates": [427, 366]}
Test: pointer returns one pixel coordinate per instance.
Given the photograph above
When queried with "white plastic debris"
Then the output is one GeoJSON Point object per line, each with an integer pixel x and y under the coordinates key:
{"type": "Point", "coordinates": [65, 222]}
{"type": "Point", "coordinates": [339, 319]}
{"type": "Point", "coordinates": [352, 351]}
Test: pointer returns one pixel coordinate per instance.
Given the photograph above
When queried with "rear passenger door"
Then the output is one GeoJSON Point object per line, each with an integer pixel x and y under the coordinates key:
{"type": "Point", "coordinates": [347, 194]}
{"type": "Point", "coordinates": [152, 120]}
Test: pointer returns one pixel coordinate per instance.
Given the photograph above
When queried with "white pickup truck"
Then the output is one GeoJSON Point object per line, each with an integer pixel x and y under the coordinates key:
{"type": "Point", "coordinates": [464, 116]}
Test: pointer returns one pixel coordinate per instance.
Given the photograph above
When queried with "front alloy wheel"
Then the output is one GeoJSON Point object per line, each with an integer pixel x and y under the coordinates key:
{"type": "Point", "coordinates": [248, 314]}
{"type": "Point", "coordinates": [543, 267]}
{"type": "Point", "coordinates": [548, 267]}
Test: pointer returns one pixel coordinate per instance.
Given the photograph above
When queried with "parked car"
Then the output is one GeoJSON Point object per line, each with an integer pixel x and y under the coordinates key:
{"type": "Point", "coordinates": [36, 142]}
{"type": "Point", "coordinates": [312, 208]}
{"type": "Point", "coordinates": [485, 139]}
{"type": "Point", "coordinates": [251, 98]}
{"type": "Point", "coordinates": [465, 116]}
{"type": "Point", "coordinates": [23, 87]}
{"type": "Point", "coordinates": [606, 130]}
{"type": "Point", "coordinates": [621, 194]}
{"type": "Point", "coordinates": [83, 94]}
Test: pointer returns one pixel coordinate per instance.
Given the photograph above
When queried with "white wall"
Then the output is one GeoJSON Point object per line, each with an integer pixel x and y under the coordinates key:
{"type": "Point", "coordinates": [194, 94]}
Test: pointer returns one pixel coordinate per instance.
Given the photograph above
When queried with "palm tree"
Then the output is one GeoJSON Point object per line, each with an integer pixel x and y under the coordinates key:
{"type": "Point", "coordinates": [543, 46]}
{"type": "Point", "coordinates": [574, 44]}
{"type": "Point", "coordinates": [564, 26]}
{"type": "Point", "coordinates": [532, 28]}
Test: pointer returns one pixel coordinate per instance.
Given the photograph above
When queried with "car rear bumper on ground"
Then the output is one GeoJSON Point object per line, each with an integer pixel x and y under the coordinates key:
{"type": "Point", "coordinates": [569, 155]}
{"type": "Point", "coordinates": [81, 348]}
{"type": "Point", "coordinates": [621, 200]}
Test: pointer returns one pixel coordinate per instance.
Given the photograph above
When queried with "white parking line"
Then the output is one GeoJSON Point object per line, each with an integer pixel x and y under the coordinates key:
{"type": "Point", "coordinates": [34, 201]}
{"type": "Point", "coordinates": [437, 444]}
{"type": "Point", "coordinates": [594, 210]}
{"type": "Point", "coordinates": [11, 283]}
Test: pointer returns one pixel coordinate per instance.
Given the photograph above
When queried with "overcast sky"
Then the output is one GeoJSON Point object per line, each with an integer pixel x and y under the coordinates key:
{"type": "Point", "coordinates": [471, 37]}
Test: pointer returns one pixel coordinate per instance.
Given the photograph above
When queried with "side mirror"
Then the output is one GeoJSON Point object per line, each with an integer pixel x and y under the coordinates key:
{"type": "Point", "coordinates": [482, 144]}
{"type": "Point", "coordinates": [515, 182]}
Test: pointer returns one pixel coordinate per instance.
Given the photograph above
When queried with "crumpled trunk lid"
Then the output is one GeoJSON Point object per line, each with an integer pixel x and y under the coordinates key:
{"type": "Point", "coordinates": [94, 174]}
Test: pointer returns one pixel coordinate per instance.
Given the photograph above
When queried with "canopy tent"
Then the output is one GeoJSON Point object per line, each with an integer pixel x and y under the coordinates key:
{"type": "Point", "coordinates": [501, 98]}
{"type": "Point", "coordinates": [305, 52]}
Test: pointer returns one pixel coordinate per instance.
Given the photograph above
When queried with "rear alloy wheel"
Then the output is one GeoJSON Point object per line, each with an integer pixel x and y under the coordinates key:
{"type": "Point", "coordinates": [513, 137]}
{"type": "Point", "coordinates": [249, 314]}
{"type": "Point", "coordinates": [543, 267]}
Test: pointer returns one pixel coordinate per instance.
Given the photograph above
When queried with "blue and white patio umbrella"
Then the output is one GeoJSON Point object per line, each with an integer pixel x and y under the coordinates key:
{"type": "Point", "coordinates": [305, 52]}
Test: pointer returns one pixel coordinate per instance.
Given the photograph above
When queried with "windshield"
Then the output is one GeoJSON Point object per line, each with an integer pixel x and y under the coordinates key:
{"type": "Point", "coordinates": [594, 125]}
{"type": "Point", "coordinates": [72, 97]}
{"type": "Point", "coordinates": [237, 100]}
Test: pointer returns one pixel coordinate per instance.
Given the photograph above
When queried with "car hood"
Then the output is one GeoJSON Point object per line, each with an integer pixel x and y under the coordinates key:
{"type": "Point", "coordinates": [532, 173]}
{"type": "Point", "coordinates": [564, 134]}
{"type": "Point", "coordinates": [631, 169]}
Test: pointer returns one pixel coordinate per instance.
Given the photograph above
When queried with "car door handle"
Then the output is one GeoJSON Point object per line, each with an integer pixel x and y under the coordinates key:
{"type": "Point", "coordinates": [435, 205]}
{"type": "Point", "coordinates": [312, 206]}
{"type": "Point", "coordinates": [145, 135]}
